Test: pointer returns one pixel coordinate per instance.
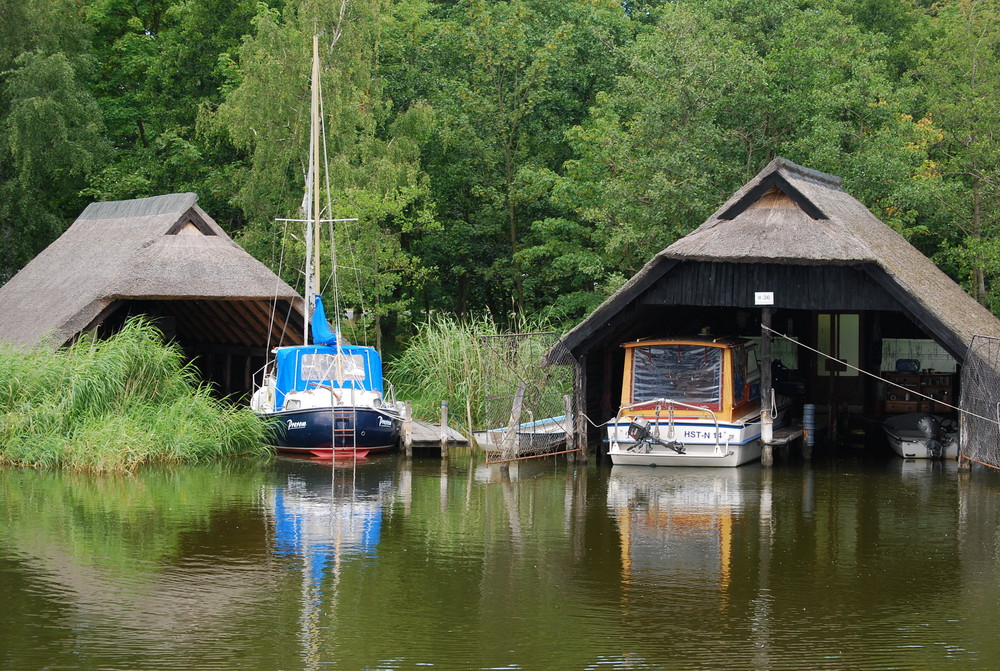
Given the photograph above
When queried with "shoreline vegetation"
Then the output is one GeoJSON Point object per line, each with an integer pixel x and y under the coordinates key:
{"type": "Point", "coordinates": [475, 365]}
{"type": "Point", "coordinates": [114, 405]}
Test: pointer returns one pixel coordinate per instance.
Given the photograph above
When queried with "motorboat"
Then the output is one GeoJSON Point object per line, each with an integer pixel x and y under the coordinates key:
{"type": "Point", "coordinates": [921, 435]}
{"type": "Point", "coordinates": [534, 437]}
{"type": "Point", "coordinates": [691, 402]}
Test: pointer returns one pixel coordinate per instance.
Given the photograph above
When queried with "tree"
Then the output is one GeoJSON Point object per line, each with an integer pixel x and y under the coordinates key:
{"type": "Point", "coordinates": [506, 80]}
{"type": "Point", "coordinates": [50, 130]}
{"type": "Point", "coordinates": [961, 76]}
{"type": "Point", "coordinates": [159, 63]}
{"type": "Point", "coordinates": [372, 149]}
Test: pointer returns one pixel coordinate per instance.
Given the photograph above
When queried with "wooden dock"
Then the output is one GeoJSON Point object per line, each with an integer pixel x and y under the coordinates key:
{"type": "Point", "coordinates": [419, 434]}
{"type": "Point", "coordinates": [425, 434]}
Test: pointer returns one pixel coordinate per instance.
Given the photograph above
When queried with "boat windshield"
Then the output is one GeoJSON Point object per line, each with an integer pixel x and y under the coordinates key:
{"type": "Point", "coordinates": [323, 366]}
{"type": "Point", "coordinates": [688, 373]}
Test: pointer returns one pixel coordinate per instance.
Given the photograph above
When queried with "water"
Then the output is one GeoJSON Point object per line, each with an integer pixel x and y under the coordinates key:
{"type": "Point", "coordinates": [392, 564]}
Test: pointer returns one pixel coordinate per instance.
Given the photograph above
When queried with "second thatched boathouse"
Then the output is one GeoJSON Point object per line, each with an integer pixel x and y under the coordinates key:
{"type": "Point", "coordinates": [166, 258]}
{"type": "Point", "coordinates": [793, 250]}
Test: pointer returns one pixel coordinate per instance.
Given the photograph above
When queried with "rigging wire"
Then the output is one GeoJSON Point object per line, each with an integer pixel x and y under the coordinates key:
{"type": "Point", "coordinates": [357, 280]}
{"type": "Point", "coordinates": [335, 265]}
{"type": "Point", "coordinates": [274, 303]}
{"type": "Point", "coordinates": [878, 377]}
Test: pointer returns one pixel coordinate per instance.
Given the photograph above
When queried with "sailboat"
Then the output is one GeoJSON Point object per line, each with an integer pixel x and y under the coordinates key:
{"type": "Point", "coordinates": [325, 399]}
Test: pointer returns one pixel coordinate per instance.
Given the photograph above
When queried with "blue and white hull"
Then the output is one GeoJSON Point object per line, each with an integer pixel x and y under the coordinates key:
{"type": "Point", "coordinates": [336, 431]}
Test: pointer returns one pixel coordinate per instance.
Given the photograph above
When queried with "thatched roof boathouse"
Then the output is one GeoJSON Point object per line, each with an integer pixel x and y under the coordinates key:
{"type": "Point", "coordinates": [841, 281]}
{"type": "Point", "coordinates": [166, 258]}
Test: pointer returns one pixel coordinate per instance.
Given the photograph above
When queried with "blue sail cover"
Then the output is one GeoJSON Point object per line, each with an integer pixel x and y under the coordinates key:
{"type": "Point", "coordinates": [321, 333]}
{"type": "Point", "coordinates": [348, 367]}
{"type": "Point", "coordinates": [326, 362]}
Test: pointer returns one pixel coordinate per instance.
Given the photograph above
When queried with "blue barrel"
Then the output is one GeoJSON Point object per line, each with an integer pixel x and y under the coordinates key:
{"type": "Point", "coordinates": [809, 423]}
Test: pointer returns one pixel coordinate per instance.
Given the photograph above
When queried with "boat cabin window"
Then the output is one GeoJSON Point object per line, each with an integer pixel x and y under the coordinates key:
{"type": "Point", "coordinates": [746, 374]}
{"type": "Point", "coordinates": [333, 367]}
{"type": "Point", "coordinates": [688, 373]}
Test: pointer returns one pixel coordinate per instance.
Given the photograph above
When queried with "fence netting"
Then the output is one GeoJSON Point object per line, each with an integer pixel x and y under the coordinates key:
{"type": "Point", "coordinates": [524, 394]}
{"type": "Point", "coordinates": [979, 433]}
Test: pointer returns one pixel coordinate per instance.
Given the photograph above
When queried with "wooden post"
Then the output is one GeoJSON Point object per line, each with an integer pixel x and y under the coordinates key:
{"type": "Point", "coordinates": [808, 430]}
{"type": "Point", "coordinates": [408, 429]}
{"type": "Point", "coordinates": [568, 421]}
{"type": "Point", "coordinates": [580, 409]}
{"type": "Point", "coordinates": [247, 375]}
{"type": "Point", "coordinates": [509, 443]}
{"type": "Point", "coordinates": [444, 429]}
{"type": "Point", "coordinates": [964, 465]}
{"type": "Point", "coordinates": [766, 420]}
{"type": "Point", "coordinates": [468, 418]}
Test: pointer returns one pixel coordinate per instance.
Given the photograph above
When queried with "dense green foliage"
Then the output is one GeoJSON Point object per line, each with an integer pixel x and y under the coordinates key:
{"type": "Point", "coordinates": [504, 156]}
{"type": "Point", "coordinates": [113, 405]}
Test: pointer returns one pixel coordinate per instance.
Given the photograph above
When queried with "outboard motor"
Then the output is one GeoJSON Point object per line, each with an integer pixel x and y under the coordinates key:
{"type": "Point", "coordinates": [639, 431]}
{"type": "Point", "coordinates": [930, 428]}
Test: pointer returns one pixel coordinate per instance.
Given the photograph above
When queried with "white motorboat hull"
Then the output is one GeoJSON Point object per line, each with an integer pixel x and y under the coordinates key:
{"type": "Point", "coordinates": [728, 446]}
{"type": "Point", "coordinates": [694, 455]}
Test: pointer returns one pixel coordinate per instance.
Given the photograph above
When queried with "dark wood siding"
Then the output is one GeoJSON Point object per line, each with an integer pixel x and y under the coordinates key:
{"type": "Point", "coordinates": [795, 287]}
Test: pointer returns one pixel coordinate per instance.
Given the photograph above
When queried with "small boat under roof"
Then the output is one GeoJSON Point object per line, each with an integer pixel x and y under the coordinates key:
{"type": "Point", "coordinates": [921, 435]}
{"type": "Point", "coordinates": [690, 402]}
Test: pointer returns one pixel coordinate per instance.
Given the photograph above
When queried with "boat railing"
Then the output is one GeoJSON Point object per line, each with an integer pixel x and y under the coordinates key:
{"type": "Point", "coordinates": [658, 404]}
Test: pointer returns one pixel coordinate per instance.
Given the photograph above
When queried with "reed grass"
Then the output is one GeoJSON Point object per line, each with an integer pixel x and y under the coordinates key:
{"type": "Point", "coordinates": [470, 360]}
{"type": "Point", "coordinates": [114, 405]}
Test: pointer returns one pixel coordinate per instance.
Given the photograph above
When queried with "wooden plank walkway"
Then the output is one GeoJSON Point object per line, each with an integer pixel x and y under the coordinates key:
{"type": "Point", "coordinates": [425, 434]}
{"type": "Point", "coordinates": [786, 435]}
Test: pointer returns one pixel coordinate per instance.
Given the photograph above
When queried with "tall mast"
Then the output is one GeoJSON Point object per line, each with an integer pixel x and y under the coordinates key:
{"type": "Point", "coordinates": [314, 150]}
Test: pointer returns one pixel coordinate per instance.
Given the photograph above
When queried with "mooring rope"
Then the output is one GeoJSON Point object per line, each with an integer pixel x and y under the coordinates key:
{"type": "Point", "coordinates": [879, 377]}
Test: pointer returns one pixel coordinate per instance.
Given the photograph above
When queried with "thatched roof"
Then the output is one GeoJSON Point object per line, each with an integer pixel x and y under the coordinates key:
{"type": "Point", "coordinates": [164, 249]}
{"type": "Point", "coordinates": [792, 215]}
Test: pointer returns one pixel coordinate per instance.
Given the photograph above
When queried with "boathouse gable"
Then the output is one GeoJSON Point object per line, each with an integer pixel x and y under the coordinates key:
{"type": "Point", "coordinates": [821, 257]}
{"type": "Point", "coordinates": [775, 183]}
{"type": "Point", "coordinates": [163, 257]}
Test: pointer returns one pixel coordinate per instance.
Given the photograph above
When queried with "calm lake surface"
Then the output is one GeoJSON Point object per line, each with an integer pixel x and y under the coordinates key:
{"type": "Point", "coordinates": [397, 564]}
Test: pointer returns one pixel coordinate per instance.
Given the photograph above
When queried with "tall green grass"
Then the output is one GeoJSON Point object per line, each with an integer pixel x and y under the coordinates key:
{"type": "Point", "coordinates": [474, 359]}
{"type": "Point", "coordinates": [113, 405]}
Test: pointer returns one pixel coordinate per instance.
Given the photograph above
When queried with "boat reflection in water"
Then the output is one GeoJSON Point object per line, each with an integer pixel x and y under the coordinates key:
{"type": "Point", "coordinates": [327, 518]}
{"type": "Point", "coordinates": [678, 522]}
{"type": "Point", "coordinates": [683, 533]}
{"type": "Point", "coordinates": [686, 515]}
{"type": "Point", "coordinates": [325, 514]}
